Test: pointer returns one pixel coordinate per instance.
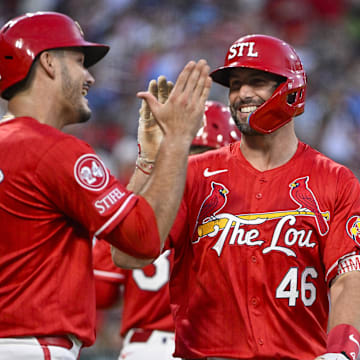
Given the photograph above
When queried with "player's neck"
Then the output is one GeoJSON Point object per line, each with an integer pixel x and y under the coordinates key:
{"type": "Point", "coordinates": [42, 111]}
{"type": "Point", "coordinates": [266, 152]}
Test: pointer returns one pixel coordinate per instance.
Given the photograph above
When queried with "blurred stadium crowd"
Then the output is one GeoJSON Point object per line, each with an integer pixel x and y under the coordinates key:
{"type": "Point", "coordinates": [153, 37]}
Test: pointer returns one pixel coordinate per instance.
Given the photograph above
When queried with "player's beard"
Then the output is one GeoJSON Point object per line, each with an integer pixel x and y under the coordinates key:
{"type": "Point", "coordinates": [241, 124]}
{"type": "Point", "coordinates": [73, 95]}
{"type": "Point", "coordinates": [244, 128]}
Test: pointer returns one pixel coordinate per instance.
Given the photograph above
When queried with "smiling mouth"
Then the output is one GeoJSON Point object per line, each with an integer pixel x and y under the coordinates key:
{"type": "Point", "coordinates": [247, 109]}
{"type": "Point", "coordinates": [84, 92]}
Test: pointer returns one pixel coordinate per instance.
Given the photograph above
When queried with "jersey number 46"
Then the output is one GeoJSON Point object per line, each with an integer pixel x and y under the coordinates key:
{"type": "Point", "coordinates": [288, 287]}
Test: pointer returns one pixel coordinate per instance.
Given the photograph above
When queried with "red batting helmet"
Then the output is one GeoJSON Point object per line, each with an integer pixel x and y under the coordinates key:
{"type": "Point", "coordinates": [26, 36]}
{"type": "Point", "coordinates": [219, 128]}
{"type": "Point", "coordinates": [275, 56]}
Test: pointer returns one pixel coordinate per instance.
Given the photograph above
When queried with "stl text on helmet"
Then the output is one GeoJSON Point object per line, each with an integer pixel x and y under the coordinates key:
{"type": "Point", "coordinates": [238, 49]}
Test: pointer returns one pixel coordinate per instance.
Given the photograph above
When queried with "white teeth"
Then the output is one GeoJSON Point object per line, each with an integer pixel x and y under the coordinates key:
{"type": "Point", "coordinates": [248, 109]}
{"type": "Point", "coordinates": [84, 92]}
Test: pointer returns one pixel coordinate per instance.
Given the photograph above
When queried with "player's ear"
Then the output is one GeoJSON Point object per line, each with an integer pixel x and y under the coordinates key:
{"type": "Point", "coordinates": [47, 60]}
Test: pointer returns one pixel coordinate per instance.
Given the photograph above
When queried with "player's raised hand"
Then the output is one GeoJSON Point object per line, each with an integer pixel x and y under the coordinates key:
{"type": "Point", "coordinates": [149, 132]}
{"type": "Point", "coordinates": [181, 115]}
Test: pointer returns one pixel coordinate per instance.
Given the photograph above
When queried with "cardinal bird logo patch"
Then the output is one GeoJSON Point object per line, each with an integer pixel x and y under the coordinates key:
{"type": "Point", "coordinates": [90, 172]}
{"type": "Point", "coordinates": [212, 204]}
{"type": "Point", "coordinates": [286, 230]}
{"type": "Point", "coordinates": [304, 197]}
{"type": "Point", "coordinates": [353, 228]}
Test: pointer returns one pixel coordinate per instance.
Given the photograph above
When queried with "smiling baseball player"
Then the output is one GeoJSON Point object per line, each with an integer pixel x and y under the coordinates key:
{"type": "Point", "coordinates": [56, 194]}
{"type": "Point", "coordinates": [268, 228]}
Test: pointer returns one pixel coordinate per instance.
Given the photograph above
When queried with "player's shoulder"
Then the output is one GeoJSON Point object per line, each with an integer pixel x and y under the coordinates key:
{"type": "Point", "coordinates": [324, 165]}
{"type": "Point", "coordinates": [43, 136]}
{"type": "Point", "coordinates": [51, 133]}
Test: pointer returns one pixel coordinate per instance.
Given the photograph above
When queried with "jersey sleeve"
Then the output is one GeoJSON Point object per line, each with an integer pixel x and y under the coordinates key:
{"type": "Point", "coordinates": [344, 235]}
{"type": "Point", "coordinates": [83, 189]}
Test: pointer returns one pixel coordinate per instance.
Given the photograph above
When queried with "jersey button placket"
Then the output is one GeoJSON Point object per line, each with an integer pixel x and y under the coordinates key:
{"type": "Point", "coordinates": [256, 310]}
{"type": "Point", "coordinates": [260, 183]}
{"type": "Point", "coordinates": [256, 267]}
{"type": "Point", "coordinates": [254, 301]}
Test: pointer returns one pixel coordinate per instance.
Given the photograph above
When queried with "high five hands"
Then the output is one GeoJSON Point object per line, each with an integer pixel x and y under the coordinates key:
{"type": "Point", "coordinates": [179, 113]}
{"type": "Point", "coordinates": [149, 132]}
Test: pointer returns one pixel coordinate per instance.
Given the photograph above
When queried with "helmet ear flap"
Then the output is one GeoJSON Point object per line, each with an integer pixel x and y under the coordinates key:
{"type": "Point", "coordinates": [296, 96]}
{"type": "Point", "coordinates": [291, 98]}
{"type": "Point", "coordinates": [278, 110]}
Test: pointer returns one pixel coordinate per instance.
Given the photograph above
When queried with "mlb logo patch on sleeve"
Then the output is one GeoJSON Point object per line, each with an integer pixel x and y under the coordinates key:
{"type": "Point", "coordinates": [91, 173]}
{"type": "Point", "coordinates": [353, 228]}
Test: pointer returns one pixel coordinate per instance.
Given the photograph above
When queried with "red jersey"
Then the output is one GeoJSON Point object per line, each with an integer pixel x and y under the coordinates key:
{"type": "Point", "coordinates": [145, 291]}
{"type": "Point", "coordinates": [255, 253]}
{"type": "Point", "coordinates": [55, 195]}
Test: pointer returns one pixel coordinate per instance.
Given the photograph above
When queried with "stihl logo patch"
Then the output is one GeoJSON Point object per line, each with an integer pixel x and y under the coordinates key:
{"type": "Point", "coordinates": [351, 263]}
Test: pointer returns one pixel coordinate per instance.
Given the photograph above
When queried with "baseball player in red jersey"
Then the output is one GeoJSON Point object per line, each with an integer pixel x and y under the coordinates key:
{"type": "Point", "coordinates": [267, 229]}
{"type": "Point", "coordinates": [147, 325]}
{"type": "Point", "coordinates": [56, 194]}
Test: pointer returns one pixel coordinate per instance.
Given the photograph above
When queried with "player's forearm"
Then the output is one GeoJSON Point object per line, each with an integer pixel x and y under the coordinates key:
{"type": "Point", "coordinates": [165, 186]}
{"type": "Point", "coordinates": [163, 196]}
{"type": "Point", "coordinates": [345, 300]}
{"type": "Point", "coordinates": [163, 193]}
{"type": "Point", "coordinates": [344, 318]}
{"type": "Point", "coordinates": [137, 181]}
{"type": "Point", "coordinates": [126, 261]}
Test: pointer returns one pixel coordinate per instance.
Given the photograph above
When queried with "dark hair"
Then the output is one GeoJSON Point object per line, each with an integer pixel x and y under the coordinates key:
{"type": "Point", "coordinates": [21, 85]}
{"type": "Point", "coordinates": [25, 83]}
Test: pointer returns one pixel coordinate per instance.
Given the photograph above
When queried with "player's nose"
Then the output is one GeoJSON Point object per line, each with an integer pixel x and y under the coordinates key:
{"type": "Point", "coordinates": [89, 78]}
{"type": "Point", "coordinates": [245, 91]}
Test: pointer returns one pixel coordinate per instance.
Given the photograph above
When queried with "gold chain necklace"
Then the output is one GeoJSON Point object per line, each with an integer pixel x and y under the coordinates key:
{"type": "Point", "coordinates": [8, 116]}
